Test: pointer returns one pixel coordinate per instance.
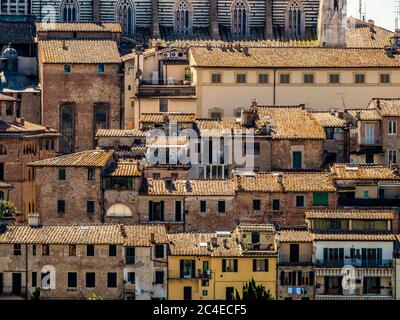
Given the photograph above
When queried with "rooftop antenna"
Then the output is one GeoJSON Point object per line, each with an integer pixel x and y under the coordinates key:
{"type": "Point", "coordinates": [362, 8]}
{"type": "Point", "coordinates": [397, 12]}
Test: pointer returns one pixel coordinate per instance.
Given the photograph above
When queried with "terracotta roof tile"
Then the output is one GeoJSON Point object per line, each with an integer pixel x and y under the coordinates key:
{"type": "Point", "coordinates": [260, 182]}
{"type": "Point", "coordinates": [353, 237]}
{"type": "Point", "coordinates": [141, 235]}
{"type": "Point", "coordinates": [180, 187]}
{"type": "Point", "coordinates": [167, 140]}
{"type": "Point", "coordinates": [386, 107]}
{"type": "Point", "coordinates": [78, 27]}
{"type": "Point", "coordinates": [291, 123]}
{"type": "Point", "coordinates": [105, 133]}
{"type": "Point", "coordinates": [365, 114]}
{"type": "Point", "coordinates": [11, 127]}
{"type": "Point", "coordinates": [124, 169]}
{"type": "Point", "coordinates": [95, 158]}
{"type": "Point", "coordinates": [353, 214]}
{"type": "Point", "coordinates": [79, 51]}
{"type": "Point", "coordinates": [362, 172]}
{"type": "Point", "coordinates": [308, 182]}
{"type": "Point", "coordinates": [293, 236]}
{"type": "Point", "coordinates": [329, 120]}
{"type": "Point", "coordinates": [167, 117]}
{"type": "Point", "coordinates": [296, 57]}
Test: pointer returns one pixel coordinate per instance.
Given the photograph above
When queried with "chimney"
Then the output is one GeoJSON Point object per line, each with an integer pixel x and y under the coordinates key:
{"type": "Point", "coordinates": [226, 244]}
{"type": "Point", "coordinates": [214, 242]}
{"type": "Point", "coordinates": [152, 238]}
{"type": "Point", "coordinates": [168, 183]}
{"type": "Point", "coordinates": [34, 220]}
{"type": "Point", "coordinates": [155, 28]}
{"type": "Point", "coordinates": [358, 115]}
{"type": "Point", "coordinates": [278, 177]}
{"type": "Point", "coordinates": [188, 186]}
{"type": "Point", "coordinates": [96, 11]}
{"type": "Point", "coordinates": [248, 119]}
{"type": "Point", "coordinates": [22, 121]}
{"type": "Point", "coordinates": [64, 43]}
{"type": "Point", "coordinates": [214, 28]}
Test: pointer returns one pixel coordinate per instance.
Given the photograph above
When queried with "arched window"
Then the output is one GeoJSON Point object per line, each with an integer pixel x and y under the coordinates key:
{"type": "Point", "coordinates": [119, 210]}
{"type": "Point", "coordinates": [2, 195]}
{"type": "Point", "coordinates": [67, 129]}
{"type": "Point", "coordinates": [100, 117]}
{"type": "Point", "coordinates": [295, 19]}
{"type": "Point", "coordinates": [183, 16]}
{"type": "Point", "coordinates": [125, 14]}
{"type": "Point", "coordinates": [69, 11]}
{"type": "Point", "coordinates": [240, 16]}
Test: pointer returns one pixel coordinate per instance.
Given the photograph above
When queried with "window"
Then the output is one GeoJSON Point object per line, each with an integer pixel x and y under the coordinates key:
{"type": "Point", "coordinates": [111, 280]}
{"type": "Point", "coordinates": [308, 78]}
{"type": "Point", "coordinates": [72, 279]}
{"type": "Point", "coordinates": [334, 78]}
{"type": "Point", "coordinates": [72, 250]}
{"type": "Point", "coordinates": [284, 78]}
{"type": "Point", "coordinates": [216, 78]}
{"type": "Point", "coordinates": [34, 279]}
{"type": "Point", "coordinates": [359, 78]}
{"type": "Point", "coordinates": [221, 206]}
{"type": "Point", "coordinates": [263, 78]}
{"type": "Point", "coordinates": [129, 255]}
{"type": "Point", "coordinates": [392, 128]}
{"type": "Point", "coordinates": [241, 78]}
{"type": "Point", "coordinates": [100, 117]}
{"type": "Point", "coordinates": [3, 149]}
{"type": "Point", "coordinates": [131, 277]}
{"type": "Point", "coordinates": [297, 159]}
{"type": "Point", "coordinates": [156, 211]}
{"type": "Point", "coordinates": [229, 265]}
{"type": "Point", "coordinates": [90, 206]}
{"type": "Point", "coordinates": [187, 269]}
{"type": "Point", "coordinates": [125, 15]}
{"type": "Point", "coordinates": [69, 11]}
{"type": "Point", "coordinates": [90, 250]}
{"type": "Point", "coordinates": [18, 7]}
{"type": "Point", "coordinates": [1, 171]}
{"type": "Point", "coordinates": [67, 129]}
{"type": "Point", "coordinates": [178, 211]}
{"type": "Point", "coordinates": [205, 293]}
{"type": "Point", "coordinates": [67, 68]}
{"type": "Point", "coordinates": [256, 148]}
{"type": "Point", "coordinates": [276, 204]}
{"type": "Point", "coordinates": [90, 280]}
{"type": "Point", "coordinates": [260, 265]}
{"type": "Point", "coordinates": [112, 250]}
{"type": "Point", "coordinates": [61, 206]}
{"type": "Point", "coordinates": [365, 194]}
{"type": "Point", "coordinates": [385, 78]}
{"type": "Point", "coordinates": [159, 251]}
{"type": "Point", "coordinates": [320, 199]}
{"type": "Point", "coordinates": [300, 201]}
{"type": "Point", "coordinates": [330, 133]}
{"type": "Point", "coordinates": [2, 197]}
{"type": "Point", "coordinates": [183, 17]}
{"type": "Point", "coordinates": [392, 154]}
{"type": "Point", "coordinates": [239, 13]}
{"type": "Point", "coordinates": [159, 275]}
{"type": "Point", "coordinates": [256, 204]}
{"type": "Point", "coordinates": [17, 250]}
{"type": "Point", "coordinates": [91, 173]}
{"type": "Point", "coordinates": [100, 68]}
{"type": "Point", "coordinates": [203, 206]}
{"type": "Point", "coordinates": [45, 250]}
{"type": "Point", "coordinates": [34, 249]}
{"type": "Point", "coordinates": [163, 105]}
{"type": "Point", "coordinates": [294, 19]}
{"type": "Point", "coordinates": [216, 115]}
{"type": "Point", "coordinates": [61, 174]}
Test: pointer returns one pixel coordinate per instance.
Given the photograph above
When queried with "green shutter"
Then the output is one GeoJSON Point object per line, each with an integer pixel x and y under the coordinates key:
{"type": "Point", "coordinates": [320, 199]}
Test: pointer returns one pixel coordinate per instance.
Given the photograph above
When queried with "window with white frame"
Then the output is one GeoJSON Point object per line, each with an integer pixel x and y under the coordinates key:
{"type": "Point", "coordinates": [392, 156]}
{"type": "Point", "coordinates": [392, 128]}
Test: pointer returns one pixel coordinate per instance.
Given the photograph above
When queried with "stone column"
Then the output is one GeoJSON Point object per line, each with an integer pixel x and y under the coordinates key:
{"type": "Point", "coordinates": [214, 30]}
{"type": "Point", "coordinates": [96, 11]}
{"type": "Point", "coordinates": [269, 32]}
{"type": "Point", "coordinates": [155, 27]}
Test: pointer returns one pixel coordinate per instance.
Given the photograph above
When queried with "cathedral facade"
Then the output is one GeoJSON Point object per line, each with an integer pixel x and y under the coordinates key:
{"type": "Point", "coordinates": [224, 19]}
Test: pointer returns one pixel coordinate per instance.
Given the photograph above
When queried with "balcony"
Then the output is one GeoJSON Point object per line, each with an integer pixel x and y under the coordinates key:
{"type": "Point", "coordinates": [357, 263]}
{"type": "Point", "coordinates": [370, 141]}
{"type": "Point", "coordinates": [303, 260]}
{"type": "Point", "coordinates": [165, 88]}
{"type": "Point", "coordinates": [369, 202]}
{"type": "Point", "coordinates": [258, 247]}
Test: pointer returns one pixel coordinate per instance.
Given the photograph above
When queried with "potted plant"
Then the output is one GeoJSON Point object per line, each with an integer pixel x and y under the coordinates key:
{"type": "Point", "coordinates": [188, 76]}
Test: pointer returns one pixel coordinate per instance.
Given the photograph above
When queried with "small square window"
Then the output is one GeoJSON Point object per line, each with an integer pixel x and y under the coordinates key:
{"type": "Point", "coordinates": [111, 280]}
{"type": "Point", "coordinates": [90, 250]}
{"type": "Point", "coordinates": [256, 204]}
{"type": "Point", "coordinates": [365, 194]}
{"type": "Point", "coordinates": [45, 250]}
{"type": "Point", "coordinates": [17, 250]}
{"type": "Point", "coordinates": [131, 277]}
{"type": "Point", "coordinates": [62, 174]}
{"type": "Point", "coordinates": [100, 68]}
{"type": "Point", "coordinates": [203, 206]}
{"type": "Point", "coordinates": [385, 78]}
{"type": "Point", "coordinates": [256, 148]}
{"type": "Point", "coordinates": [334, 78]}
{"type": "Point", "coordinates": [34, 249]}
{"type": "Point", "coordinates": [90, 206]}
{"type": "Point", "coordinates": [216, 78]}
{"type": "Point", "coordinates": [285, 78]}
{"type": "Point", "coordinates": [72, 279]}
{"type": "Point", "coordinates": [205, 293]}
{"type": "Point", "coordinates": [91, 174]}
{"type": "Point", "coordinates": [276, 204]}
{"type": "Point", "coordinates": [308, 78]}
{"type": "Point", "coordinates": [112, 250]}
{"type": "Point", "coordinates": [359, 78]}
{"type": "Point", "coordinates": [159, 277]}
{"type": "Point", "coordinates": [221, 206]}
{"type": "Point", "coordinates": [241, 78]}
{"type": "Point", "coordinates": [159, 251]}
{"type": "Point", "coordinates": [263, 78]}
{"type": "Point", "coordinates": [67, 68]}
{"type": "Point", "coordinates": [90, 279]}
{"type": "Point", "coordinates": [61, 206]}
{"type": "Point", "coordinates": [72, 250]}
{"type": "Point", "coordinates": [299, 201]}
{"type": "Point", "coordinates": [163, 105]}
{"type": "Point", "coordinates": [216, 115]}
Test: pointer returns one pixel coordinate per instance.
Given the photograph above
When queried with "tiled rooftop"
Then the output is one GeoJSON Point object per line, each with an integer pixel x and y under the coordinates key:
{"type": "Point", "coordinates": [261, 182]}
{"type": "Point", "coordinates": [141, 235]}
{"type": "Point", "coordinates": [353, 214]}
{"type": "Point", "coordinates": [362, 172]}
{"type": "Point", "coordinates": [94, 158]}
{"type": "Point", "coordinates": [308, 182]}
{"type": "Point", "coordinates": [78, 27]}
{"type": "Point", "coordinates": [17, 127]}
{"type": "Point", "coordinates": [329, 119]}
{"type": "Point", "coordinates": [79, 51]}
{"type": "Point", "coordinates": [124, 169]}
{"type": "Point", "coordinates": [105, 133]}
{"type": "Point", "coordinates": [365, 114]}
{"type": "Point", "coordinates": [167, 117]}
{"type": "Point", "coordinates": [294, 236]}
{"type": "Point", "coordinates": [353, 237]}
{"type": "Point", "coordinates": [386, 107]}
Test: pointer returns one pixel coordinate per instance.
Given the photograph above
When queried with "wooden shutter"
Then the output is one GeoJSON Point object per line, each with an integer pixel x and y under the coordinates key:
{"type": "Point", "coordinates": [162, 211]}
{"type": "Point", "coordinates": [193, 269]}
{"type": "Point", "coordinates": [182, 263]}
{"type": "Point", "coordinates": [235, 265]}
{"type": "Point", "coordinates": [266, 265]}
{"type": "Point", "coordinates": [254, 265]}
{"type": "Point", "coordinates": [150, 210]}
{"type": "Point", "coordinates": [282, 278]}
{"type": "Point", "coordinates": [223, 265]}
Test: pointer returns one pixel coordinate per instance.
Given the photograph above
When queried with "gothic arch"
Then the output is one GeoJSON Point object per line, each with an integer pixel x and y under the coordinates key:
{"type": "Point", "coordinates": [183, 17]}
{"type": "Point", "coordinates": [119, 210]}
{"type": "Point", "coordinates": [295, 19]}
{"type": "Point", "coordinates": [240, 18]}
{"type": "Point", "coordinates": [125, 14]}
{"type": "Point", "coordinates": [69, 11]}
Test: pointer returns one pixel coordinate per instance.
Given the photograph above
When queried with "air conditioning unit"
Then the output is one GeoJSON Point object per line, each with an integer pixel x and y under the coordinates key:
{"type": "Point", "coordinates": [166, 54]}
{"type": "Point", "coordinates": [174, 54]}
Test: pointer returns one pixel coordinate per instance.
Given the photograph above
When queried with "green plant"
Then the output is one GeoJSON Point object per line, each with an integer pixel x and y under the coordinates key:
{"type": "Point", "coordinates": [95, 297]}
{"type": "Point", "coordinates": [252, 291]}
{"type": "Point", "coordinates": [6, 208]}
{"type": "Point", "coordinates": [188, 74]}
{"type": "Point", "coordinates": [35, 294]}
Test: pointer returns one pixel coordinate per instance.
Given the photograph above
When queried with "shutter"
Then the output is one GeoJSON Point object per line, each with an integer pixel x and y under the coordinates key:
{"type": "Point", "coordinates": [193, 269]}
{"type": "Point", "coordinates": [282, 278]}
{"type": "Point", "coordinates": [235, 265]}
{"type": "Point", "coordinates": [181, 267]}
{"type": "Point", "coordinates": [352, 253]}
{"type": "Point", "coordinates": [341, 254]}
{"type": "Point", "coordinates": [162, 211]}
{"type": "Point", "coordinates": [150, 210]}
{"type": "Point", "coordinates": [293, 278]}
{"type": "Point", "coordinates": [379, 253]}
{"type": "Point", "coordinates": [325, 254]}
{"type": "Point", "coordinates": [363, 257]}
{"type": "Point", "coordinates": [311, 278]}
{"type": "Point", "coordinates": [365, 290]}
{"type": "Point", "coordinates": [299, 279]}
{"type": "Point", "coordinates": [266, 265]}
{"type": "Point", "coordinates": [254, 265]}
{"type": "Point", "coordinates": [223, 265]}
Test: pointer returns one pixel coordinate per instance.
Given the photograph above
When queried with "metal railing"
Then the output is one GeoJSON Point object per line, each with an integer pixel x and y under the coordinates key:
{"type": "Point", "coordinates": [357, 263]}
{"type": "Point", "coordinates": [369, 202]}
{"type": "Point", "coordinates": [302, 259]}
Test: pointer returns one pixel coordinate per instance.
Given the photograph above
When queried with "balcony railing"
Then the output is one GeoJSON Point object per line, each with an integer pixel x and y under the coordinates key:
{"type": "Point", "coordinates": [164, 82]}
{"type": "Point", "coordinates": [305, 259]}
{"type": "Point", "coordinates": [258, 247]}
{"type": "Point", "coordinates": [370, 141]}
{"type": "Point", "coordinates": [387, 263]}
{"type": "Point", "coordinates": [369, 202]}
